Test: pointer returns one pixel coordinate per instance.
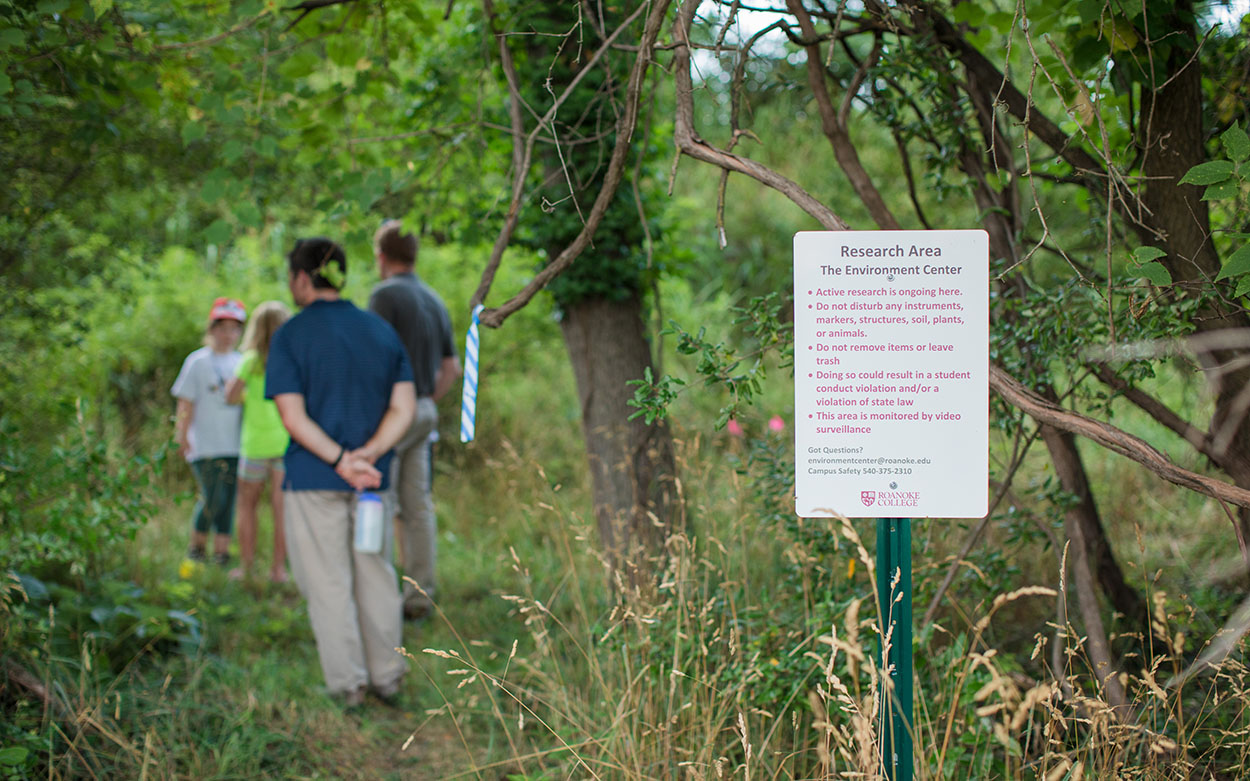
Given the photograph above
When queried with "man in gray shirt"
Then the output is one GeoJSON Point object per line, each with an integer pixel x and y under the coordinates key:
{"type": "Point", "coordinates": [420, 318]}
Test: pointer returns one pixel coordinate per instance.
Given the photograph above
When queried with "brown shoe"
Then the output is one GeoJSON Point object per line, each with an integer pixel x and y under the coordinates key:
{"type": "Point", "coordinates": [355, 698]}
{"type": "Point", "coordinates": [417, 612]}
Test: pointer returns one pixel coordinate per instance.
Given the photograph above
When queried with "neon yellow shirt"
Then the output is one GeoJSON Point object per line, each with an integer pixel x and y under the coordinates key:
{"type": "Point", "coordinates": [263, 433]}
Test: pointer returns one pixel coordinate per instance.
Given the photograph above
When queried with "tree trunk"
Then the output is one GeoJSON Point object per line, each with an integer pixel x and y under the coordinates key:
{"type": "Point", "coordinates": [631, 463]}
{"type": "Point", "coordinates": [1171, 138]}
{"type": "Point", "coordinates": [1084, 529]}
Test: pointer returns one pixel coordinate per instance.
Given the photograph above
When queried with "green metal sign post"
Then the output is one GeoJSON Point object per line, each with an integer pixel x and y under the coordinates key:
{"type": "Point", "coordinates": [894, 561]}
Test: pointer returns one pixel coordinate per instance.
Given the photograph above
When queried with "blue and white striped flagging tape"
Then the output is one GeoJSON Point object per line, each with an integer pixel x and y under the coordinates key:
{"type": "Point", "coordinates": [468, 404]}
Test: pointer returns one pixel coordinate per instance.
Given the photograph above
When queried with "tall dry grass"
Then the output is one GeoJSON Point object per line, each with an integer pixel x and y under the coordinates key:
{"type": "Point", "coordinates": [756, 658]}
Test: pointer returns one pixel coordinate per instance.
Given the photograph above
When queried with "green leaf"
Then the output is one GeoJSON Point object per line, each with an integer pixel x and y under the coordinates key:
{"type": "Point", "coordinates": [10, 37]}
{"type": "Point", "coordinates": [51, 7]}
{"type": "Point", "coordinates": [1221, 190]}
{"type": "Point", "coordinates": [6, 84]}
{"type": "Point", "coordinates": [299, 65]}
{"type": "Point", "coordinates": [1147, 254]}
{"type": "Point", "coordinates": [1089, 11]}
{"type": "Point", "coordinates": [248, 214]}
{"type": "Point", "coordinates": [1243, 286]}
{"type": "Point", "coordinates": [193, 131]}
{"type": "Point", "coordinates": [968, 13]}
{"type": "Point", "coordinates": [13, 755]}
{"type": "Point", "coordinates": [214, 185]}
{"type": "Point", "coordinates": [233, 150]}
{"type": "Point", "coordinates": [101, 7]}
{"type": "Point", "coordinates": [1208, 173]}
{"type": "Point", "coordinates": [1237, 263]}
{"type": "Point", "coordinates": [1236, 143]}
{"type": "Point", "coordinates": [1156, 273]}
{"type": "Point", "coordinates": [218, 232]}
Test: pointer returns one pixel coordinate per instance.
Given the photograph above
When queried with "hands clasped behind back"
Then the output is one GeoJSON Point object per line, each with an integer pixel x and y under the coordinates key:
{"type": "Point", "coordinates": [358, 471]}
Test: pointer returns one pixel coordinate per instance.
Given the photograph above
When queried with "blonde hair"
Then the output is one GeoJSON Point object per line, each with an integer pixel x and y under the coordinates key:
{"type": "Point", "coordinates": [260, 328]}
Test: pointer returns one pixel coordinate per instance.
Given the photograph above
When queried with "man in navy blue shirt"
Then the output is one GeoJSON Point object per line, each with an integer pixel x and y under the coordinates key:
{"type": "Point", "coordinates": [344, 387]}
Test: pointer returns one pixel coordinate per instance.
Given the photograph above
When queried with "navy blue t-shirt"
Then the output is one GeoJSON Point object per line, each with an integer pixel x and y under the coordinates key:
{"type": "Point", "coordinates": [344, 362]}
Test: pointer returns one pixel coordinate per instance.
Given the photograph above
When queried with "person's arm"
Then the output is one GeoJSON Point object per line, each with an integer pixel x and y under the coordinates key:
{"type": "Point", "coordinates": [182, 424]}
{"type": "Point", "coordinates": [357, 471]}
{"type": "Point", "coordinates": [234, 390]}
{"type": "Point", "coordinates": [448, 372]}
{"type": "Point", "coordinates": [395, 423]}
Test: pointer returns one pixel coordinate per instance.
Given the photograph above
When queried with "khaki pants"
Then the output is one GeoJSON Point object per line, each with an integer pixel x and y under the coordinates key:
{"type": "Point", "coordinates": [353, 600]}
{"type": "Point", "coordinates": [418, 527]}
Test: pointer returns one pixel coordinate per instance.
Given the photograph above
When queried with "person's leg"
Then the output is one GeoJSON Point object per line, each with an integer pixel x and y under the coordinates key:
{"type": "Point", "coordinates": [249, 499]}
{"type": "Point", "coordinates": [199, 522]}
{"type": "Point", "coordinates": [277, 571]}
{"type": "Point", "coordinates": [380, 610]}
{"type": "Point", "coordinates": [219, 504]}
{"type": "Point", "coordinates": [419, 537]}
{"type": "Point", "coordinates": [319, 536]}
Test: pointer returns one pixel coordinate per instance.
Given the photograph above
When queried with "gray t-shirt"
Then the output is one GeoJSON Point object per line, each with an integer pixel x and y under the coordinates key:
{"type": "Point", "coordinates": [420, 318]}
{"type": "Point", "coordinates": [214, 430]}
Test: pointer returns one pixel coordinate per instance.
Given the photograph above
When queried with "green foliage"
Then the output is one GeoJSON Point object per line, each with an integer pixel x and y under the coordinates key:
{"type": "Point", "coordinates": [69, 511]}
{"type": "Point", "coordinates": [722, 366]}
{"type": "Point", "coordinates": [1227, 180]}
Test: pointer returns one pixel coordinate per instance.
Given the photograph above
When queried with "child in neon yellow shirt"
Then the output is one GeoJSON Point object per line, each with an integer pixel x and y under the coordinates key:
{"type": "Point", "coordinates": [264, 441]}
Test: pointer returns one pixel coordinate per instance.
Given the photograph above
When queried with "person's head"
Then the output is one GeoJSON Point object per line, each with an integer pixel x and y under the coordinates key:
{"type": "Point", "coordinates": [225, 323]}
{"type": "Point", "coordinates": [394, 249]}
{"type": "Point", "coordinates": [265, 320]}
{"type": "Point", "coordinates": [315, 265]}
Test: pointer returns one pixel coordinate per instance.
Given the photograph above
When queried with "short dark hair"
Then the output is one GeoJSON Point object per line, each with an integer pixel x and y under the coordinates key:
{"type": "Point", "coordinates": [391, 241]}
{"type": "Point", "coordinates": [313, 255]}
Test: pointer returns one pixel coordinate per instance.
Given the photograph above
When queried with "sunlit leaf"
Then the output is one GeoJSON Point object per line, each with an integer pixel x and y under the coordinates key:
{"type": "Point", "coordinates": [1237, 263]}
{"type": "Point", "coordinates": [1220, 190]}
{"type": "Point", "coordinates": [1236, 143]}
{"type": "Point", "coordinates": [1208, 173]}
{"type": "Point", "coordinates": [1156, 273]}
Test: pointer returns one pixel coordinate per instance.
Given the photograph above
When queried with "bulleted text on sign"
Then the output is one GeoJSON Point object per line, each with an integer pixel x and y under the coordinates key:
{"type": "Point", "coordinates": [891, 373]}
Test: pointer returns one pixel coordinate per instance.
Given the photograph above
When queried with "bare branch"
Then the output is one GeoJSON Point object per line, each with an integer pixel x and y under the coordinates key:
{"type": "Point", "coordinates": [308, 6]}
{"type": "Point", "coordinates": [1112, 438]}
{"type": "Point", "coordinates": [835, 130]}
{"type": "Point", "coordinates": [1156, 409]}
{"type": "Point", "coordinates": [493, 318]}
{"type": "Point", "coordinates": [523, 155]}
{"type": "Point", "coordinates": [689, 143]}
{"type": "Point", "coordinates": [241, 26]}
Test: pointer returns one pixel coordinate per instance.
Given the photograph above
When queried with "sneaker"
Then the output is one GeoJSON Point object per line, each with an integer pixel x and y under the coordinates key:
{"type": "Point", "coordinates": [195, 554]}
{"type": "Point", "coordinates": [221, 559]}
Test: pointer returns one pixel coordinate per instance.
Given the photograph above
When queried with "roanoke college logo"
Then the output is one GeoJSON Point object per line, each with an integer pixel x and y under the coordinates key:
{"type": "Point", "coordinates": [868, 497]}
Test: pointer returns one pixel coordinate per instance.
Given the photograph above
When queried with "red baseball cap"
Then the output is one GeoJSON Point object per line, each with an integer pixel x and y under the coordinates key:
{"type": "Point", "coordinates": [227, 309]}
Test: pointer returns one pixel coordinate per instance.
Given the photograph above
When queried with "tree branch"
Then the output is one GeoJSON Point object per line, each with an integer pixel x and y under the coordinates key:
{"type": "Point", "coordinates": [689, 143]}
{"type": "Point", "coordinates": [308, 6]}
{"type": "Point", "coordinates": [1112, 438]}
{"type": "Point", "coordinates": [241, 26]}
{"type": "Point", "coordinates": [835, 129]}
{"type": "Point", "coordinates": [625, 125]}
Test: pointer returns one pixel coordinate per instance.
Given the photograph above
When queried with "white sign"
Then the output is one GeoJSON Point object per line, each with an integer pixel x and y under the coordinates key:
{"type": "Point", "coordinates": [891, 374]}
